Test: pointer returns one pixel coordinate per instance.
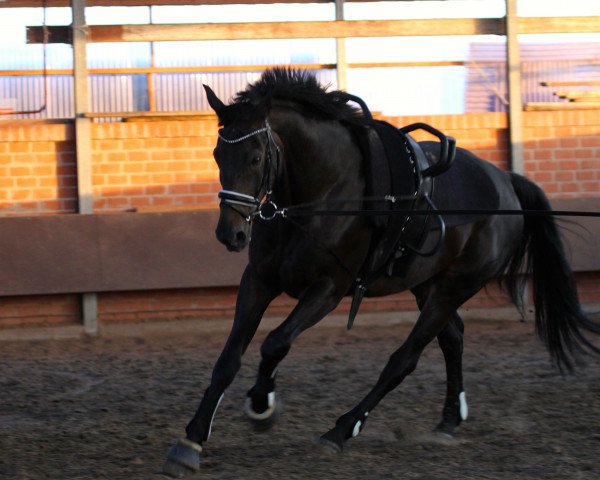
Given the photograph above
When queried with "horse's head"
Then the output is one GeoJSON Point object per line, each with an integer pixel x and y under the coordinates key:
{"type": "Point", "coordinates": [247, 157]}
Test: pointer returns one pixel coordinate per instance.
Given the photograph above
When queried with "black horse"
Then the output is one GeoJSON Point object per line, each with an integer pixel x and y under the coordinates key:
{"type": "Point", "coordinates": [287, 141]}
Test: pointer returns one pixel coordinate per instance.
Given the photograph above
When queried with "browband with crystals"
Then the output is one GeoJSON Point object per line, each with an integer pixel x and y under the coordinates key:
{"type": "Point", "coordinates": [241, 139]}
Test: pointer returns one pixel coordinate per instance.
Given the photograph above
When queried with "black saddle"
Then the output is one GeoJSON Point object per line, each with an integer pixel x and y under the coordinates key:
{"type": "Point", "coordinates": [419, 177]}
{"type": "Point", "coordinates": [398, 169]}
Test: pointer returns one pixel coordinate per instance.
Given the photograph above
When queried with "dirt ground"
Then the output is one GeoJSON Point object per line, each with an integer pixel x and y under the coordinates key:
{"type": "Point", "coordinates": [110, 407]}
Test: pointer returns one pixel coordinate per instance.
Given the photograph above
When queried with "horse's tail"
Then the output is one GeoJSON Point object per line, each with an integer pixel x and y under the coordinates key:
{"type": "Point", "coordinates": [559, 319]}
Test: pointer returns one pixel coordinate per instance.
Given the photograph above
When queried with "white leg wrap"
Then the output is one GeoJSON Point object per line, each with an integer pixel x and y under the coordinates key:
{"type": "Point", "coordinates": [464, 408]}
{"type": "Point", "coordinates": [192, 445]}
{"type": "Point", "coordinates": [213, 416]}
{"type": "Point", "coordinates": [356, 429]}
{"type": "Point", "coordinates": [264, 415]}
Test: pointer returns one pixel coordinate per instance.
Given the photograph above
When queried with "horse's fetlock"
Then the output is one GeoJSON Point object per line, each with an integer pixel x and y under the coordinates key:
{"type": "Point", "coordinates": [262, 387]}
{"type": "Point", "coordinates": [352, 423]}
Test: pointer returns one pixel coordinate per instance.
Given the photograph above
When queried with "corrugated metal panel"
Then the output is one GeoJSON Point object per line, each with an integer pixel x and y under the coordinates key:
{"type": "Point", "coordinates": [60, 97]}
{"type": "Point", "coordinates": [111, 93]}
{"type": "Point", "coordinates": [485, 89]}
{"type": "Point", "coordinates": [118, 55]}
{"type": "Point", "coordinates": [184, 91]}
{"type": "Point", "coordinates": [27, 93]}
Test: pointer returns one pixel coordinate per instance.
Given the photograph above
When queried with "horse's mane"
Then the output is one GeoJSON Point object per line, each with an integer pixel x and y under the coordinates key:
{"type": "Point", "coordinates": [300, 87]}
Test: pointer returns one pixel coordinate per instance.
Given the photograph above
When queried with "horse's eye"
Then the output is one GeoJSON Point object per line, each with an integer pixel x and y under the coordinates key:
{"type": "Point", "coordinates": [255, 160]}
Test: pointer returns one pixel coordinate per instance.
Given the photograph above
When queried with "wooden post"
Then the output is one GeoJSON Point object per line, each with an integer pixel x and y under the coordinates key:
{"type": "Point", "coordinates": [150, 76]}
{"type": "Point", "coordinates": [83, 144]}
{"type": "Point", "coordinates": [340, 50]}
{"type": "Point", "coordinates": [515, 110]}
{"type": "Point", "coordinates": [515, 102]}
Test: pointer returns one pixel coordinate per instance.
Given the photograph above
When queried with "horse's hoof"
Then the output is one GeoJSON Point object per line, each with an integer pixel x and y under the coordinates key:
{"type": "Point", "coordinates": [264, 420]}
{"type": "Point", "coordinates": [183, 458]}
{"type": "Point", "coordinates": [443, 436]}
{"type": "Point", "coordinates": [330, 445]}
{"type": "Point", "coordinates": [445, 430]}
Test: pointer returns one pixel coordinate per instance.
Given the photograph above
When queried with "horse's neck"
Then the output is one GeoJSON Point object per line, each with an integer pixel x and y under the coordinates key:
{"type": "Point", "coordinates": [320, 159]}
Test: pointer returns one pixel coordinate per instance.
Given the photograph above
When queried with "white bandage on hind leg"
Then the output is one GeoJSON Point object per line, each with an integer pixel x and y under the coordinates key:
{"type": "Point", "coordinates": [464, 408]}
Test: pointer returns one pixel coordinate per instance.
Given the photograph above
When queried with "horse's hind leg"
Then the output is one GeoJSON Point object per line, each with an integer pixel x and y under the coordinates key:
{"type": "Point", "coordinates": [442, 300]}
{"type": "Point", "coordinates": [450, 340]}
{"type": "Point", "coordinates": [400, 364]}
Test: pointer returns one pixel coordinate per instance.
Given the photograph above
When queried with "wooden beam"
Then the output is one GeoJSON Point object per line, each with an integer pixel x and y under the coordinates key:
{"type": "Point", "coordinates": [143, 3]}
{"type": "Point", "coordinates": [573, 83]}
{"type": "Point", "coordinates": [340, 51]}
{"type": "Point", "coordinates": [515, 102]}
{"type": "Point", "coordinates": [224, 68]}
{"type": "Point", "coordinates": [83, 145]}
{"type": "Point", "coordinates": [81, 97]}
{"type": "Point", "coordinates": [557, 106]}
{"type": "Point", "coordinates": [580, 95]}
{"type": "Point", "coordinates": [319, 29]}
{"type": "Point", "coordinates": [533, 25]}
{"type": "Point", "coordinates": [271, 30]}
{"type": "Point", "coordinates": [187, 113]}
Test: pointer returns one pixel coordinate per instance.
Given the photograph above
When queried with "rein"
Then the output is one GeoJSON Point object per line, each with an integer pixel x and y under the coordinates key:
{"type": "Point", "coordinates": [300, 211]}
{"type": "Point", "coordinates": [266, 209]}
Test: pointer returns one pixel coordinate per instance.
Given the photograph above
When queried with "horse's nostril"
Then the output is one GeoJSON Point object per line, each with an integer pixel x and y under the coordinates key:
{"type": "Point", "coordinates": [240, 237]}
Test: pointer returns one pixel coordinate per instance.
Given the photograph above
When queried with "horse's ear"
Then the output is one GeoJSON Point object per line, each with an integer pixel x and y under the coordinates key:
{"type": "Point", "coordinates": [214, 102]}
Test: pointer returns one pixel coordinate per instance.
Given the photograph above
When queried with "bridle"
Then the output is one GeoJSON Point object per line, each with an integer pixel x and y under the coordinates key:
{"type": "Point", "coordinates": [264, 208]}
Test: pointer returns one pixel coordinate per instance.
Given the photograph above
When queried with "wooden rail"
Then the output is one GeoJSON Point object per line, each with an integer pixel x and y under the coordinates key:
{"type": "Point", "coordinates": [316, 29]}
{"type": "Point", "coordinates": [221, 68]}
{"type": "Point", "coordinates": [554, 106]}
{"type": "Point", "coordinates": [577, 99]}
{"type": "Point", "coordinates": [272, 30]}
{"type": "Point", "coordinates": [145, 3]}
{"type": "Point", "coordinates": [571, 83]}
{"type": "Point", "coordinates": [579, 95]}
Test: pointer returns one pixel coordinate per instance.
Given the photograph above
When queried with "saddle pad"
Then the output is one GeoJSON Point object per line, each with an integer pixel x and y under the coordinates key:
{"type": "Point", "coordinates": [388, 170]}
{"type": "Point", "coordinates": [465, 186]}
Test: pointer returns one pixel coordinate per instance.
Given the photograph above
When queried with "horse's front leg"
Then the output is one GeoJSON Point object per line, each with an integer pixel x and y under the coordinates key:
{"type": "Point", "coordinates": [253, 299]}
{"type": "Point", "coordinates": [262, 406]}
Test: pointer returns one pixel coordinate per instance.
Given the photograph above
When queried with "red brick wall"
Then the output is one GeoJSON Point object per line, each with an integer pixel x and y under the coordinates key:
{"type": "Point", "coordinates": [154, 164]}
{"type": "Point", "coordinates": [168, 164]}
{"type": "Point", "coordinates": [564, 157]}
{"type": "Point", "coordinates": [37, 169]}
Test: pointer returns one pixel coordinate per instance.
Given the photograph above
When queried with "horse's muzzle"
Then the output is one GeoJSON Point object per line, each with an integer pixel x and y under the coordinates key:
{"type": "Point", "coordinates": [234, 243]}
{"type": "Point", "coordinates": [235, 235]}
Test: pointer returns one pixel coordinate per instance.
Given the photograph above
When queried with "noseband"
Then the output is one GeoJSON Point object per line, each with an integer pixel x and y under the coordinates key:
{"type": "Point", "coordinates": [266, 208]}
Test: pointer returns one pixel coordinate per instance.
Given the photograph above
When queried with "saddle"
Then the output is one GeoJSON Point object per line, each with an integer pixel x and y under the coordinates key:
{"type": "Point", "coordinates": [398, 167]}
